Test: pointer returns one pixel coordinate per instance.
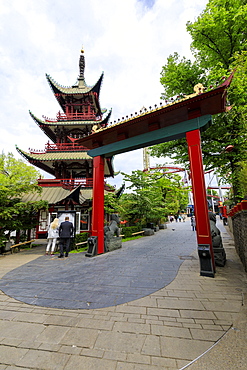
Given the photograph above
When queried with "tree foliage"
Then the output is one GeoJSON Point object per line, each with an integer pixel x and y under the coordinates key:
{"type": "Point", "coordinates": [243, 179]}
{"type": "Point", "coordinates": [153, 196]}
{"type": "Point", "coordinates": [219, 45]}
{"type": "Point", "coordinates": [16, 179]}
{"type": "Point", "coordinates": [218, 33]}
{"type": "Point", "coordinates": [179, 76]}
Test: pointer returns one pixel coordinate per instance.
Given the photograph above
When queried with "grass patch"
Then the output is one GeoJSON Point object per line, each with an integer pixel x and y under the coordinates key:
{"type": "Point", "coordinates": [132, 238]}
{"type": "Point", "coordinates": [79, 250]}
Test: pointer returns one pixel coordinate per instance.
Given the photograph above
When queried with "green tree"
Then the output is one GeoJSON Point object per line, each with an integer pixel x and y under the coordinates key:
{"type": "Point", "coordinates": [111, 203]}
{"type": "Point", "coordinates": [153, 196]}
{"type": "Point", "coordinates": [16, 179]}
{"type": "Point", "coordinates": [179, 76]}
{"type": "Point", "coordinates": [218, 33]}
{"type": "Point", "coordinates": [219, 46]}
{"type": "Point", "coordinates": [243, 179]}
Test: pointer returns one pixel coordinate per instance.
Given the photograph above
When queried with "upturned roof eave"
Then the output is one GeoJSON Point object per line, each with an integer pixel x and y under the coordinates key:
{"type": "Point", "coordinates": [56, 157]}
{"type": "Point", "coordinates": [37, 163]}
{"type": "Point", "coordinates": [73, 90]}
{"type": "Point", "coordinates": [44, 127]}
{"type": "Point", "coordinates": [55, 195]}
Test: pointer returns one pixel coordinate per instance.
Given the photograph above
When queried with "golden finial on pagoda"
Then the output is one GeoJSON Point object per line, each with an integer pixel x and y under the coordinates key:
{"type": "Point", "coordinates": [82, 49]}
{"type": "Point", "coordinates": [198, 88]}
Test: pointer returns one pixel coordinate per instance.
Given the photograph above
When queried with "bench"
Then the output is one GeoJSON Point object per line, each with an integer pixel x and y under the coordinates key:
{"type": "Point", "coordinates": [77, 244]}
{"type": "Point", "coordinates": [138, 232]}
{"type": "Point", "coordinates": [17, 246]}
{"type": "Point", "coordinates": [133, 234]}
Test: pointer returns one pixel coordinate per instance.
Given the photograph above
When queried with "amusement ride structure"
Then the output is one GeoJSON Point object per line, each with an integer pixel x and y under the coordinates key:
{"type": "Point", "coordinates": [211, 179]}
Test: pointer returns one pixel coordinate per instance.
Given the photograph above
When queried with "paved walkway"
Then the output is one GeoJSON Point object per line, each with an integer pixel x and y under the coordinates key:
{"type": "Point", "coordinates": [160, 314]}
{"type": "Point", "coordinates": [139, 268]}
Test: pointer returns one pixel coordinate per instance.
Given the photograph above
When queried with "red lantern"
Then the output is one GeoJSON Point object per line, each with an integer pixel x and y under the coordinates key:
{"type": "Point", "coordinates": [229, 148]}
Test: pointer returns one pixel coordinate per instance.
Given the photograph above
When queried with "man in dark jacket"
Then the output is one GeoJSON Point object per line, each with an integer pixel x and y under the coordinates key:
{"type": "Point", "coordinates": [66, 231]}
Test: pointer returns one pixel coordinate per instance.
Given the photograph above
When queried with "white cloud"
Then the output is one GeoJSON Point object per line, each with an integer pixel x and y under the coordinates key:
{"type": "Point", "coordinates": [128, 40]}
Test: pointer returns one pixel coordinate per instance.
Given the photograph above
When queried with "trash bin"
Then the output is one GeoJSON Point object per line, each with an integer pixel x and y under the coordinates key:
{"type": "Point", "coordinates": [206, 266]}
{"type": "Point", "coordinates": [92, 242]}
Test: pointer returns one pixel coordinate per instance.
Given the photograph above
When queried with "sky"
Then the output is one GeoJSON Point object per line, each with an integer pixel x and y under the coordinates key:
{"type": "Point", "coordinates": [128, 40]}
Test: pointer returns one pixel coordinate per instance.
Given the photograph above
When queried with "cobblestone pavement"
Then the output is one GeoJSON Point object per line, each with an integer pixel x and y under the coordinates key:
{"type": "Point", "coordinates": [166, 317]}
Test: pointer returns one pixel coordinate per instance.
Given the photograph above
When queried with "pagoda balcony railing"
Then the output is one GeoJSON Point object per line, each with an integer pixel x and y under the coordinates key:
{"type": "Point", "coordinates": [65, 146]}
{"type": "Point", "coordinates": [84, 182]}
{"type": "Point", "coordinates": [72, 183]}
{"type": "Point", "coordinates": [73, 117]}
{"type": "Point", "coordinates": [50, 147]}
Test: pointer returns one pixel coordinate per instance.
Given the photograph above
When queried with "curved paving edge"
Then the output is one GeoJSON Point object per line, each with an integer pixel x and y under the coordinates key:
{"type": "Point", "coordinates": [138, 269]}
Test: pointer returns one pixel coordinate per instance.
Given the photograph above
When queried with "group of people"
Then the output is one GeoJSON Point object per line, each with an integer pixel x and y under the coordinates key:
{"type": "Point", "coordinates": [177, 218]}
{"type": "Point", "coordinates": [64, 232]}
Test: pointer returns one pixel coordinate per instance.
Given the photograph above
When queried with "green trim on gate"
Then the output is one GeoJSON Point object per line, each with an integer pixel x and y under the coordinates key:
{"type": "Point", "coordinates": [158, 136]}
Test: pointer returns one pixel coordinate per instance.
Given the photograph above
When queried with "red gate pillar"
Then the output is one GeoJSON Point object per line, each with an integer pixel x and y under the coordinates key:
{"type": "Point", "coordinates": [204, 239]}
{"type": "Point", "coordinates": [98, 202]}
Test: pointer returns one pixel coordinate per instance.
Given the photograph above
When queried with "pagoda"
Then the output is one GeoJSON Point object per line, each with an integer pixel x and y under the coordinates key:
{"type": "Point", "coordinates": [80, 114]}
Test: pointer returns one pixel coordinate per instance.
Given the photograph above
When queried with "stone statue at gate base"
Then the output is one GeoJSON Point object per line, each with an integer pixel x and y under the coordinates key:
{"type": "Point", "coordinates": [219, 252]}
{"type": "Point", "coordinates": [112, 240]}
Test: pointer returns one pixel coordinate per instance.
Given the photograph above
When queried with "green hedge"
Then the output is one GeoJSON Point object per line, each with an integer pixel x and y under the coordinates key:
{"type": "Point", "coordinates": [127, 231]}
{"type": "Point", "coordinates": [79, 238]}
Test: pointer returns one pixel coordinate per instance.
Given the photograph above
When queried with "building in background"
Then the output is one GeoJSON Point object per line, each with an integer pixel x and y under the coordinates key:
{"type": "Point", "coordinates": [64, 159]}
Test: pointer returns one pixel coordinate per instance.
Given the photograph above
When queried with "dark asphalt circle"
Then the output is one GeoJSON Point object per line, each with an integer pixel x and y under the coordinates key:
{"type": "Point", "coordinates": [138, 269]}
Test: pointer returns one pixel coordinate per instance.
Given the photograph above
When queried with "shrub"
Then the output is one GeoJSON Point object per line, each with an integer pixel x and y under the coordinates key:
{"type": "Point", "coordinates": [127, 231]}
{"type": "Point", "coordinates": [79, 238]}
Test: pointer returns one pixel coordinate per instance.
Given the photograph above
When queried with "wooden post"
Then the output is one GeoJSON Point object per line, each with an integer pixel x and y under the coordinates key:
{"type": "Point", "coordinates": [204, 238]}
{"type": "Point", "coordinates": [98, 202]}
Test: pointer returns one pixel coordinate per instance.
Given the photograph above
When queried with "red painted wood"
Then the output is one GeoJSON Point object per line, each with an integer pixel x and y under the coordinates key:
{"type": "Point", "coordinates": [199, 190]}
{"type": "Point", "coordinates": [244, 205]}
{"type": "Point", "coordinates": [89, 116]}
{"type": "Point", "coordinates": [98, 202]}
{"type": "Point", "coordinates": [210, 102]}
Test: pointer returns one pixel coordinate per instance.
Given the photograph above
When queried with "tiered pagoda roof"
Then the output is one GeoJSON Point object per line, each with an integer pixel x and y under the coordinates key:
{"type": "Point", "coordinates": [79, 88]}
{"type": "Point", "coordinates": [81, 115]}
{"type": "Point", "coordinates": [76, 128]}
{"type": "Point", "coordinates": [78, 160]}
{"type": "Point", "coordinates": [59, 194]}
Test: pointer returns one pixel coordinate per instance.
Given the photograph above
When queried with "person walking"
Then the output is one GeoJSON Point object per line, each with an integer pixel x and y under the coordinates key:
{"type": "Point", "coordinates": [52, 236]}
{"type": "Point", "coordinates": [193, 223]}
{"type": "Point", "coordinates": [66, 231]}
